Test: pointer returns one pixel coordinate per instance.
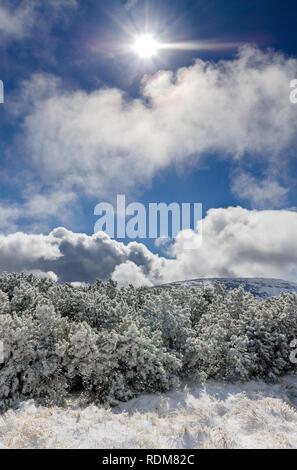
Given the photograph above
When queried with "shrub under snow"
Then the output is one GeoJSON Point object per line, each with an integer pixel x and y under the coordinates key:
{"type": "Point", "coordinates": [114, 344]}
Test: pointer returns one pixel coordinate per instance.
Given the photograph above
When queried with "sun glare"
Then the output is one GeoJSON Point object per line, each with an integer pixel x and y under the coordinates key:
{"type": "Point", "coordinates": [146, 46]}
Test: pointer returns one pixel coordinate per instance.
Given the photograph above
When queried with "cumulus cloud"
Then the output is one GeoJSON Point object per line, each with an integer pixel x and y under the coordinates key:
{"type": "Point", "coordinates": [73, 257]}
{"type": "Point", "coordinates": [129, 273]}
{"type": "Point", "coordinates": [239, 242]}
{"type": "Point", "coordinates": [235, 108]}
{"type": "Point", "coordinates": [19, 251]}
{"type": "Point", "coordinates": [236, 243]}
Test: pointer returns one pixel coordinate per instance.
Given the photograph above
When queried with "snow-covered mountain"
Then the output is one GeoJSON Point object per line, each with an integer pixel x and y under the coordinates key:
{"type": "Point", "coordinates": [259, 287]}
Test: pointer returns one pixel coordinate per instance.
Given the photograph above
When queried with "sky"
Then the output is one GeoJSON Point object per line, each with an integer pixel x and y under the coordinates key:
{"type": "Point", "coordinates": [85, 118]}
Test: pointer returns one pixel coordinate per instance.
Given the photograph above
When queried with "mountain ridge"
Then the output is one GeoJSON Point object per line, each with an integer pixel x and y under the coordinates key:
{"type": "Point", "coordinates": [258, 286]}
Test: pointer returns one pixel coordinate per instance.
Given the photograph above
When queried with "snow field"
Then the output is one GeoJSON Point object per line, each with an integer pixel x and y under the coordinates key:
{"type": "Point", "coordinates": [218, 415]}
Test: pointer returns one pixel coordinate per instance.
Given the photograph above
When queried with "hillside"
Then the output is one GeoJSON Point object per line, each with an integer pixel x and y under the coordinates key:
{"type": "Point", "coordinates": [259, 287]}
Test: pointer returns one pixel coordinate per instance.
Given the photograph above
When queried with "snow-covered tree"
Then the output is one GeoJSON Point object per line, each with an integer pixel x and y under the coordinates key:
{"type": "Point", "coordinates": [114, 344]}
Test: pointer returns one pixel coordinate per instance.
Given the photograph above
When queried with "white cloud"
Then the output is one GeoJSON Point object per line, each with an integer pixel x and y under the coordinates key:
{"type": "Point", "coordinates": [264, 193]}
{"type": "Point", "coordinates": [129, 273]}
{"type": "Point", "coordinates": [100, 140]}
{"type": "Point", "coordinates": [239, 243]}
{"type": "Point", "coordinates": [18, 19]}
{"type": "Point", "coordinates": [15, 23]}
{"type": "Point", "coordinates": [9, 215]}
{"type": "Point", "coordinates": [73, 257]}
{"type": "Point", "coordinates": [18, 251]}
{"type": "Point", "coordinates": [43, 275]}
{"type": "Point", "coordinates": [236, 243]}
{"type": "Point", "coordinates": [37, 209]}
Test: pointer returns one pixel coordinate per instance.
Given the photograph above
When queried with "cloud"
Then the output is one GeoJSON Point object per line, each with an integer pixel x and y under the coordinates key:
{"type": "Point", "coordinates": [43, 275]}
{"type": "Point", "coordinates": [239, 242]}
{"type": "Point", "coordinates": [129, 4]}
{"type": "Point", "coordinates": [129, 273]}
{"type": "Point", "coordinates": [96, 141]}
{"type": "Point", "coordinates": [236, 243]}
{"type": "Point", "coordinates": [82, 143]}
{"type": "Point", "coordinates": [18, 18]}
{"type": "Point", "coordinates": [20, 251]}
{"type": "Point", "coordinates": [265, 193]}
{"type": "Point", "coordinates": [73, 257]}
{"type": "Point", "coordinates": [37, 209]}
{"type": "Point", "coordinates": [9, 215]}
{"type": "Point", "coordinates": [15, 23]}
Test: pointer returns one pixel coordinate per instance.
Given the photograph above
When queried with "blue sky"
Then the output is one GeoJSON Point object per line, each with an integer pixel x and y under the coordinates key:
{"type": "Point", "coordinates": [74, 92]}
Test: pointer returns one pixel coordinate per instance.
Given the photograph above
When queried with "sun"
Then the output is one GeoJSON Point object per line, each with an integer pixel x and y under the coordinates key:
{"type": "Point", "coordinates": [146, 46]}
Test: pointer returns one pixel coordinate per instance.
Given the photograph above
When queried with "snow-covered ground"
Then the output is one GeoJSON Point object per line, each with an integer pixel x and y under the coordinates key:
{"type": "Point", "coordinates": [254, 415]}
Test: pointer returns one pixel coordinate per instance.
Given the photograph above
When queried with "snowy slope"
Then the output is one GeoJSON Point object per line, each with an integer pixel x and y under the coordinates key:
{"type": "Point", "coordinates": [253, 415]}
{"type": "Point", "coordinates": [259, 287]}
